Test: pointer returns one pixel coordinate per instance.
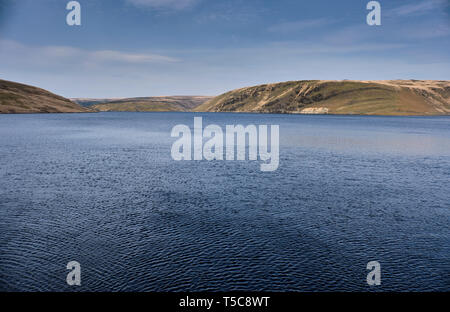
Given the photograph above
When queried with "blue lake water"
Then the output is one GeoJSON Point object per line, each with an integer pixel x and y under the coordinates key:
{"type": "Point", "coordinates": [103, 190]}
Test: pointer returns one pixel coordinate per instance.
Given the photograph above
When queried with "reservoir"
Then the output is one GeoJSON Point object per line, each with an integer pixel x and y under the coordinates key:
{"type": "Point", "coordinates": [102, 189]}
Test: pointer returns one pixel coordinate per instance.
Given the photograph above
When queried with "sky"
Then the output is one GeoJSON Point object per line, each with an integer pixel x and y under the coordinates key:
{"type": "Point", "coordinates": [131, 48]}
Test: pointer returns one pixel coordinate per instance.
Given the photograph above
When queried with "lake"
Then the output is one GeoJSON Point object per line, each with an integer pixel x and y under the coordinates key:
{"type": "Point", "coordinates": [102, 189]}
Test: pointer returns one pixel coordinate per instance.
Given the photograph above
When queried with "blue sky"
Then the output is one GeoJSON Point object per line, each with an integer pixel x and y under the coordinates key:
{"type": "Point", "coordinates": [128, 48]}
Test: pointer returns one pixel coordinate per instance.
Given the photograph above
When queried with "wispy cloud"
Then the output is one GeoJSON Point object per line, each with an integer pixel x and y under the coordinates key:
{"type": "Point", "coordinates": [426, 31]}
{"type": "Point", "coordinates": [220, 12]}
{"type": "Point", "coordinates": [398, 33]}
{"type": "Point", "coordinates": [300, 25]}
{"type": "Point", "coordinates": [420, 8]}
{"type": "Point", "coordinates": [296, 48]}
{"type": "Point", "coordinates": [164, 4]}
{"type": "Point", "coordinates": [66, 54]}
{"type": "Point", "coordinates": [135, 58]}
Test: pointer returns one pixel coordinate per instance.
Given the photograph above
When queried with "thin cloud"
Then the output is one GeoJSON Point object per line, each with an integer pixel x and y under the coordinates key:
{"type": "Point", "coordinates": [65, 54]}
{"type": "Point", "coordinates": [284, 48]}
{"type": "Point", "coordinates": [135, 58]}
{"type": "Point", "coordinates": [420, 8]}
{"type": "Point", "coordinates": [300, 25]}
{"type": "Point", "coordinates": [426, 31]}
{"type": "Point", "coordinates": [164, 4]}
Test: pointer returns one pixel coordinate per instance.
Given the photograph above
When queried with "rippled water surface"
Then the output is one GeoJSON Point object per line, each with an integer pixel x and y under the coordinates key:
{"type": "Point", "coordinates": [102, 189]}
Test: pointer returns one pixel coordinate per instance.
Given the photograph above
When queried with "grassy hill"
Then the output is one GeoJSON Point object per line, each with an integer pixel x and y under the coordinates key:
{"type": "Point", "coordinates": [86, 102]}
{"type": "Point", "coordinates": [395, 97]}
{"type": "Point", "coordinates": [19, 98]}
{"type": "Point", "coordinates": [147, 104]}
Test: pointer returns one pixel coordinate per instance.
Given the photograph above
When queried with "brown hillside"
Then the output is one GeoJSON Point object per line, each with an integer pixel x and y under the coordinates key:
{"type": "Point", "coordinates": [18, 98]}
{"type": "Point", "coordinates": [396, 97]}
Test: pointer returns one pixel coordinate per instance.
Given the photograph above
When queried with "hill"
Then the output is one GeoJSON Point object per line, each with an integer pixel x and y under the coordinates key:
{"type": "Point", "coordinates": [18, 98]}
{"type": "Point", "coordinates": [147, 104]}
{"type": "Point", "coordinates": [86, 102]}
{"type": "Point", "coordinates": [393, 97]}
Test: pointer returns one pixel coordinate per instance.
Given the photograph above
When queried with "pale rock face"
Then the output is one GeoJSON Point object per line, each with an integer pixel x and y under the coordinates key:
{"type": "Point", "coordinates": [314, 110]}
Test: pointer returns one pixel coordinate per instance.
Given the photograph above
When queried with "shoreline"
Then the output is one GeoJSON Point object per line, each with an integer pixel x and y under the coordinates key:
{"type": "Point", "coordinates": [231, 112]}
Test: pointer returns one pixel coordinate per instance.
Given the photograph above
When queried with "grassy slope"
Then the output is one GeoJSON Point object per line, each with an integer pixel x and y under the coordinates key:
{"type": "Point", "coordinates": [89, 102]}
{"type": "Point", "coordinates": [400, 97]}
{"type": "Point", "coordinates": [153, 104]}
{"type": "Point", "coordinates": [19, 98]}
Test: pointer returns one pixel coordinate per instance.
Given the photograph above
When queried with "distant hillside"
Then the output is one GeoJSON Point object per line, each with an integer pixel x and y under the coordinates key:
{"type": "Point", "coordinates": [397, 97]}
{"type": "Point", "coordinates": [86, 102]}
{"type": "Point", "coordinates": [148, 104]}
{"type": "Point", "coordinates": [19, 98]}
